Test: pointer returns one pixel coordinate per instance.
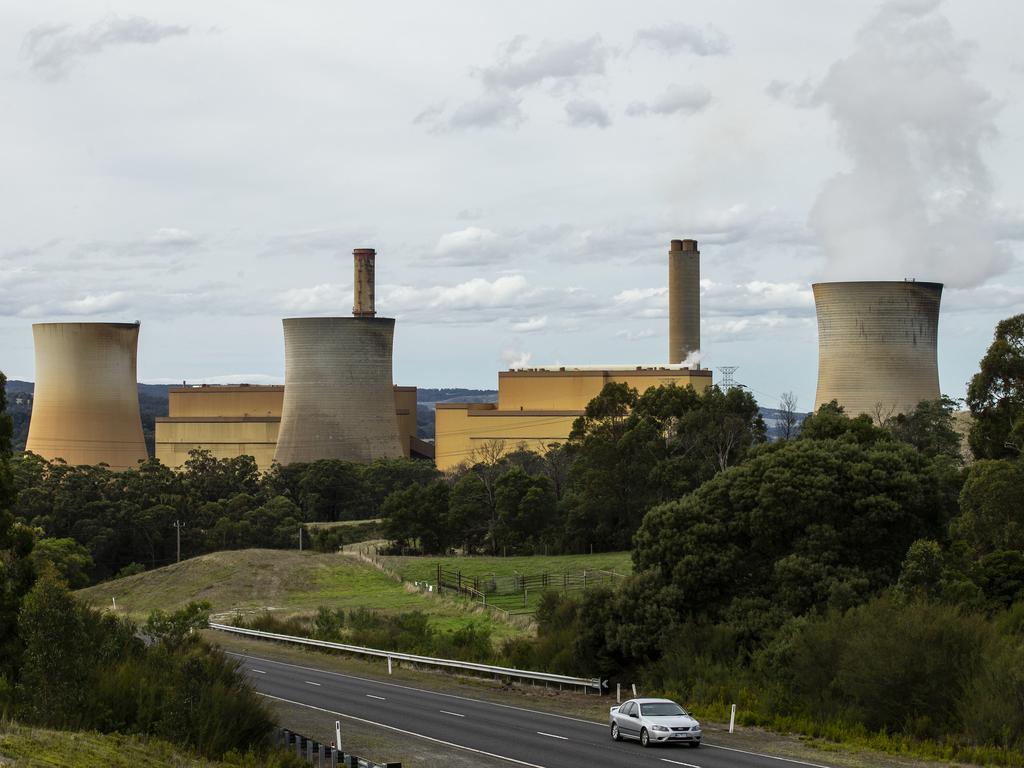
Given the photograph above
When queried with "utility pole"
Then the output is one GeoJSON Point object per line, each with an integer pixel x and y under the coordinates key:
{"type": "Point", "coordinates": [178, 525]}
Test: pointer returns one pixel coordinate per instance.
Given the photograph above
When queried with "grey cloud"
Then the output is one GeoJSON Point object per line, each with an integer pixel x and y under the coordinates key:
{"type": "Point", "coordinates": [469, 214]}
{"type": "Point", "coordinates": [677, 99]}
{"type": "Point", "coordinates": [490, 109]}
{"type": "Point", "coordinates": [586, 113]}
{"type": "Point", "coordinates": [551, 61]}
{"type": "Point", "coordinates": [679, 37]}
{"type": "Point", "coordinates": [53, 49]}
{"type": "Point", "coordinates": [317, 242]}
{"type": "Point", "coordinates": [800, 95]}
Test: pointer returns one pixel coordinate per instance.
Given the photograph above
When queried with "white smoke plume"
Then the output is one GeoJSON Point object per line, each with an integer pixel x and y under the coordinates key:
{"type": "Point", "coordinates": [918, 200]}
{"type": "Point", "coordinates": [514, 356]}
{"type": "Point", "coordinates": [693, 359]}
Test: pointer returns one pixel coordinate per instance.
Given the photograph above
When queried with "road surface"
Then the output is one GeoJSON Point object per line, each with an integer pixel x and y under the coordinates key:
{"type": "Point", "coordinates": [515, 735]}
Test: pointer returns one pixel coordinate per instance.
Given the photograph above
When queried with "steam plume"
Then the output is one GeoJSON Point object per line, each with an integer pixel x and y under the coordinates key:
{"type": "Point", "coordinates": [918, 200]}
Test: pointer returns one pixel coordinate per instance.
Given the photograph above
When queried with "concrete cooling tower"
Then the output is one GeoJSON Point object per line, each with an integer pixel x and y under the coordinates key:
{"type": "Point", "coordinates": [877, 345]}
{"type": "Point", "coordinates": [683, 300]}
{"type": "Point", "coordinates": [338, 397]}
{"type": "Point", "coordinates": [86, 404]}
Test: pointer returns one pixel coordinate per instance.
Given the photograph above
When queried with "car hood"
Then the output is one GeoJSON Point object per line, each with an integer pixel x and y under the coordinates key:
{"type": "Point", "coordinates": [674, 721]}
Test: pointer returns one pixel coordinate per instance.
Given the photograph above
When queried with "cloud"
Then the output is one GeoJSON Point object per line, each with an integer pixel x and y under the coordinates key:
{"type": "Point", "coordinates": [918, 199]}
{"type": "Point", "coordinates": [470, 214]}
{"type": "Point", "coordinates": [531, 324]}
{"type": "Point", "coordinates": [800, 95]}
{"type": "Point", "coordinates": [514, 356]}
{"type": "Point", "coordinates": [586, 113]}
{"type": "Point", "coordinates": [646, 333]}
{"type": "Point", "coordinates": [677, 99]}
{"type": "Point", "coordinates": [325, 298]}
{"type": "Point", "coordinates": [53, 49]}
{"type": "Point", "coordinates": [471, 246]}
{"type": "Point", "coordinates": [490, 109]}
{"type": "Point", "coordinates": [561, 63]}
{"type": "Point", "coordinates": [226, 378]}
{"type": "Point", "coordinates": [316, 242]}
{"type": "Point", "coordinates": [681, 37]}
{"type": "Point", "coordinates": [727, 300]}
{"type": "Point", "coordinates": [88, 305]}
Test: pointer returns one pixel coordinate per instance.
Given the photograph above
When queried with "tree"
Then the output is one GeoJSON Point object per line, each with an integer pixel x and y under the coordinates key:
{"type": "Point", "coordinates": [65, 558]}
{"type": "Point", "coordinates": [332, 490]}
{"type": "Point", "coordinates": [800, 525]}
{"type": "Point", "coordinates": [415, 517]}
{"type": "Point", "coordinates": [929, 428]}
{"type": "Point", "coordinates": [789, 420]}
{"type": "Point", "coordinates": [831, 421]}
{"type": "Point", "coordinates": [991, 516]}
{"type": "Point", "coordinates": [469, 513]}
{"type": "Point", "coordinates": [995, 395]}
{"type": "Point", "coordinates": [526, 509]}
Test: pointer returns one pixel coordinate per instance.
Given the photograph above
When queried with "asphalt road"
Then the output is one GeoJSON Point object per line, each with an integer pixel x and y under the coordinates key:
{"type": "Point", "coordinates": [519, 736]}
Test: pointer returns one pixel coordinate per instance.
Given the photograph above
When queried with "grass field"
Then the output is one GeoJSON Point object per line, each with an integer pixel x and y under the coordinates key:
{"type": "Point", "coordinates": [287, 582]}
{"type": "Point", "coordinates": [425, 569]}
{"type": "Point", "coordinates": [24, 746]}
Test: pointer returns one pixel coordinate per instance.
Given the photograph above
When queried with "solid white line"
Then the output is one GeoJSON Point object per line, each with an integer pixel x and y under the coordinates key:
{"type": "Point", "coordinates": [676, 762]}
{"type": "Point", "coordinates": [260, 671]}
{"type": "Point", "coordinates": [505, 706]}
{"type": "Point", "coordinates": [421, 690]}
{"type": "Point", "coordinates": [407, 733]}
{"type": "Point", "coordinates": [552, 735]}
{"type": "Point", "coordinates": [310, 682]}
{"type": "Point", "coordinates": [453, 714]}
{"type": "Point", "coordinates": [371, 696]}
{"type": "Point", "coordinates": [770, 757]}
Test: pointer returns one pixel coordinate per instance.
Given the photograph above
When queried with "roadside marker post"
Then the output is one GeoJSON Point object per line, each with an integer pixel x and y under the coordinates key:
{"type": "Point", "coordinates": [337, 735]}
{"type": "Point", "coordinates": [634, 690]}
{"type": "Point", "coordinates": [618, 693]}
{"type": "Point", "coordinates": [732, 719]}
{"type": "Point", "coordinates": [389, 665]}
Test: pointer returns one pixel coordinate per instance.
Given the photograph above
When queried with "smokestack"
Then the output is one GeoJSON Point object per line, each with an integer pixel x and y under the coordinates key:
{"type": "Point", "coordinates": [362, 284]}
{"type": "Point", "coordinates": [683, 300]}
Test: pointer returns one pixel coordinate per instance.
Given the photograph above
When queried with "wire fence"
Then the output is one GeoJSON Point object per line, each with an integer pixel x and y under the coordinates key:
{"type": "Point", "coordinates": [518, 593]}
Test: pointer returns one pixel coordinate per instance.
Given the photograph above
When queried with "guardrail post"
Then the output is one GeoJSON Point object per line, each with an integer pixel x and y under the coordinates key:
{"type": "Point", "coordinates": [389, 665]}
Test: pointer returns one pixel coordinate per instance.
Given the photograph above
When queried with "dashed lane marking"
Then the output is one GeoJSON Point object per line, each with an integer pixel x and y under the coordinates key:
{"type": "Point", "coordinates": [677, 762]}
{"type": "Point", "coordinates": [258, 671]}
{"type": "Point", "coordinates": [371, 696]}
{"type": "Point", "coordinates": [552, 735]}
{"type": "Point", "coordinates": [453, 714]}
{"type": "Point", "coordinates": [403, 731]}
{"type": "Point", "coordinates": [310, 682]}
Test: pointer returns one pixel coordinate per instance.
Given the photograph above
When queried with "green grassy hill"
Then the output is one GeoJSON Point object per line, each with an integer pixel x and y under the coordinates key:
{"type": "Point", "coordinates": [286, 582]}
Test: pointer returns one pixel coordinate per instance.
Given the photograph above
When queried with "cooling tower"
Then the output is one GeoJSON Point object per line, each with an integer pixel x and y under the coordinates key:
{"type": "Point", "coordinates": [683, 300]}
{"type": "Point", "coordinates": [877, 345]}
{"type": "Point", "coordinates": [339, 402]}
{"type": "Point", "coordinates": [86, 404]}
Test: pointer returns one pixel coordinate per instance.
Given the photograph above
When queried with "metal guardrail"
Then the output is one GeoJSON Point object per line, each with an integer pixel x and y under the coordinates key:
{"type": "Point", "coordinates": [467, 666]}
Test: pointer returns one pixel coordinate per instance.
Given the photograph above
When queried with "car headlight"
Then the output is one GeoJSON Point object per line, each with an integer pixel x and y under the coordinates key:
{"type": "Point", "coordinates": [696, 727]}
{"type": "Point", "coordinates": [659, 728]}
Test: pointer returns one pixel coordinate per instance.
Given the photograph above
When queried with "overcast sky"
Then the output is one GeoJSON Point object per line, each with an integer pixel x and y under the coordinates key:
{"type": "Point", "coordinates": [207, 168]}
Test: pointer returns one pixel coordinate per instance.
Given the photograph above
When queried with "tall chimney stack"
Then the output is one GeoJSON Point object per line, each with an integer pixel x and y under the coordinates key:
{"type": "Point", "coordinates": [683, 300]}
{"type": "Point", "coordinates": [362, 285]}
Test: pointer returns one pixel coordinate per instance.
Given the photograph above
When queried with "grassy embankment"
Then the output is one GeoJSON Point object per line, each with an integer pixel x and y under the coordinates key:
{"type": "Point", "coordinates": [24, 746]}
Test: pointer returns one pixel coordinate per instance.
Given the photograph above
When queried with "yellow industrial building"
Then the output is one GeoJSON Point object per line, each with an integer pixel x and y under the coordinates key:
{"type": "Point", "coordinates": [232, 421]}
{"type": "Point", "coordinates": [537, 407]}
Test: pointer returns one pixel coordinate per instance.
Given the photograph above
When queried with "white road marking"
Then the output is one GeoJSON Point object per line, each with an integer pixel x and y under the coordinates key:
{"type": "Point", "coordinates": [371, 696]}
{"type": "Point", "coordinates": [310, 682]}
{"type": "Point", "coordinates": [676, 762]}
{"type": "Point", "coordinates": [453, 714]}
{"type": "Point", "coordinates": [770, 757]}
{"type": "Point", "coordinates": [260, 671]}
{"type": "Point", "coordinates": [407, 733]}
{"type": "Point", "coordinates": [502, 706]}
{"type": "Point", "coordinates": [552, 735]}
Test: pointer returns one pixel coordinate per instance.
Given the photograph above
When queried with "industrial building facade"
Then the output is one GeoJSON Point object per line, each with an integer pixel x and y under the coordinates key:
{"type": "Point", "coordinates": [537, 407]}
{"type": "Point", "coordinates": [232, 421]}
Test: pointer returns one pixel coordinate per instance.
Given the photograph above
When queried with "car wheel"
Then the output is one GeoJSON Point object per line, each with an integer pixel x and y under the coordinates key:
{"type": "Point", "coordinates": [645, 740]}
{"type": "Point", "coordinates": [695, 744]}
{"type": "Point", "coordinates": [616, 736]}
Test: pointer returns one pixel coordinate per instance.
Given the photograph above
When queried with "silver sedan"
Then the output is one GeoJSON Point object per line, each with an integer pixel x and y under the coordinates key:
{"type": "Point", "coordinates": [654, 721]}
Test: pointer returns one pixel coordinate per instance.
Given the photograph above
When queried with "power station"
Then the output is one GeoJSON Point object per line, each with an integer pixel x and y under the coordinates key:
{"type": "Point", "coordinates": [877, 345]}
{"type": "Point", "coordinates": [338, 396]}
{"type": "Point", "coordinates": [877, 354]}
{"type": "Point", "coordinates": [86, 405]}
{"type": "Point", "coordinates": [537, 406]}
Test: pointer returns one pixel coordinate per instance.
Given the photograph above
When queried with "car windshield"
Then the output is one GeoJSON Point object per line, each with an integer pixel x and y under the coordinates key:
{"type": "Point", "coordinates": [662, 709]}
